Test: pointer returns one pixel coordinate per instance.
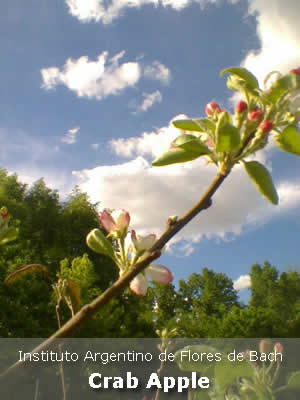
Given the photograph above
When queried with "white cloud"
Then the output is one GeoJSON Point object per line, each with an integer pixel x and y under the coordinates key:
{"type": "Point", "coordinates": [153, 194]}
{"type": "Point", "coordinates": [149, 100]}
{"type": "Point", "coordinates": [278, 29]}
{"type": "Point", "coordinates": [104, 76]}
{"type": "Point", "coordinates": [70, 136]}
{"type": "Point", "coordinates": [243, 282]}
{"type": "Point", "coordinates": [95, 146]}
{"type": "Point", "coordinates": [93, 79]}
{"type": "Point", "coordinates": [106, 11]}
{"type": "Point", "coordinates": [158, 71]}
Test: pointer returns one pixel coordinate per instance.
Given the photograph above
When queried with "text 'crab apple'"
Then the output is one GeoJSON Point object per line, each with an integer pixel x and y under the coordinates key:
{"type": "Point", "coordinates": [211, 107]}
{"type": "Point", "coordinates": [115, 223]}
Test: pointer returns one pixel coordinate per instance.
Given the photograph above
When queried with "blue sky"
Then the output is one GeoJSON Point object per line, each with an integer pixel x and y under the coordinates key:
{"type": "Point", "coordinates": [88, 91]}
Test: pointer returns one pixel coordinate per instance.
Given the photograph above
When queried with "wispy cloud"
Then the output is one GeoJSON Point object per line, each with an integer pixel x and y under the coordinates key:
{"type": "Point", "coordinates": [70, 136]}
{"type": "Point", "coordinates": [149, 100]}
{"type": "Point", "coordinates": [158, 71]}
{"type": "Point", "coordinates": [93, 79]}
{"type": "Point", "coordinates": [95, 146]}
{"type": "Point", "coordinates": [278, 30]}
{"type": "Point", "coordinates": [102, 77]}
{"type": "Point", "coordinates": [107, 11]}
{"type": "Point", "coordinates": [242, 283]}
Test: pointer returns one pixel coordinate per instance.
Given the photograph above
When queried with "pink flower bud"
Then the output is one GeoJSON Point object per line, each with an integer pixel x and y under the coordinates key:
{"type": "Point", "coordinates": [295, 71]}
{"type": "Point", "coordinates": [211, 108]}
{"type": "Point", "coordinates": [265, 346]}
{"type": "Point", "coordinates": [278, 348]}
{"type": "Point", "coordinates": [256, 115]}
{"type": "Point", "coordinates": [139, 285]}
{"type": "Point", "coordinates": [115, 223]}
{"type": "Point", "coordinates": [266, 126]}
{"type": "Point", "coordinates": [241, 107]}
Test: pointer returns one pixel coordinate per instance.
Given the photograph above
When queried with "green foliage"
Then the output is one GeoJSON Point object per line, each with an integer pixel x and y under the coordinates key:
{"type": "Point", "coordinates": [289, 140]}
{"type": "Point", "coordinates": [243, 75]}
{"type": "Point", "coordinates": [262, 179]}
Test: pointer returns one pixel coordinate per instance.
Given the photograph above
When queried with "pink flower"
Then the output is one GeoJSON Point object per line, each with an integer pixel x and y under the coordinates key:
{"type": "Point", "coordinates": [142, 243]}
{"type": "Point", "coordinates": [278, 347]}
{"type": "Point", "coordinates": [116, 223]}
{"type": "Point", "coordinates": [241, 107]}
{"type": "Point", "coordinates": [157, 273]}
{"type": "Point", "coordinates": [266, 126]}
{"type": "Point", "coordinates": [211, 107]}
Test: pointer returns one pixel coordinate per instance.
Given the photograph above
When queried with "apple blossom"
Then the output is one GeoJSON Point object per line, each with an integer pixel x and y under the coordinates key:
{"type": "Point", "coordinates": [141, 243]}
{"type": "Point", "coordinates": [115, 223]}
{"type": "Point", "coordinates": [157, 273]}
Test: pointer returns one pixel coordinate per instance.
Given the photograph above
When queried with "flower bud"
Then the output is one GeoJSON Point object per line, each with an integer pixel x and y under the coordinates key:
{"type": "Point", "coordinates": [265, 346]}
{"type": "Point", "coordinates": [278, 348]}
{"type": "Point", "coordinates": [256, 115]}
{"type": "Point", "coordinates": [115, 223]}
{"type": "Point", "coordinates": [295, 71]}
{"type": "Point", "coordinates": [211, 108]}
{"type": "Point", "coordinates": [266, 126]}
{"type": "Point", "coordinates": [97, 242]}
{"type": "Point", "coordinates": [241, 107]}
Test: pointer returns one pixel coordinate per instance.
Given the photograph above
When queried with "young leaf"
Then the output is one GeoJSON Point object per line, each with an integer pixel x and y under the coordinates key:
{"type": "Point", "coordinates": [262, 180]}
{"type": "Point", "coordinates": [243, 74]}
{"type": "Point", "coordinates": [177, 155]}
{"type": "Point", "coordinates": [72, 295]}
{"type": "Point", "coordinates": [294, 380]}
{"type": "Point", "coordinates": [8, 235]}
{"type": "Point", "coordinates": [289, 140]}
{"type": "Point", "coordinates": [282, 86]}
{"type": "Point", "coordinates": [227, 135]}
{"type": "Point", "coordinates": [196, 125]}
{"type": "Point", "coordinates": [99, 243]}
{"type": "Point", "coordinates": [24, 270]}
{"type": "Point", "coordinates": [227, 372]}
{"type": "Point", "coordinates": [191, 143]}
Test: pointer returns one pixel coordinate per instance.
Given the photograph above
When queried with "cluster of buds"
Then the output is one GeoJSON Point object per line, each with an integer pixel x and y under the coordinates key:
{"type": "Point", "coordinates": [7, 233]}
{"type": "Point", "coordinates": [126, 255]}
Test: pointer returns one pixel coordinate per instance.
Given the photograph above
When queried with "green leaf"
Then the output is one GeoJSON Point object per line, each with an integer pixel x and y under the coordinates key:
{"type": "Point", "coordinates": [227, 372]}
{"type": "Point", "coordinates": [177, 155]}
{"type": "Point", "coordinates": [227, 135]}
{"type": "Point", "coordinates": [289, 140]}
{"type": "Point", "coordinates": [72, 295]}
{"type": "Point", "coordinates": [262, 180]}
{"type": "Point", "coordinates": [196, 125]}
{"type": "Point", "coordinates": [198, 366]}
{"type": "Point", "coordinates": [99, 243]}
{"type": "Point", "coordinates": [24, 270]}
{"type": "Point", "coordinates": [191, 143]}
{"type": "Point", "coordinates": [243, 74]}
{"type": "Point", "coordinates": [281, 86]}
{"type": "Point", "coordinates": [294, 380]}
{"type": "Point", "coordinates": [8, 235]}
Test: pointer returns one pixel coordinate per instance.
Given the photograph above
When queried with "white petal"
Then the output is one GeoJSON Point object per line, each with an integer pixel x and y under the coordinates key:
{"type": "Point", "coordinates": [160, 274]}
{"type": "Point", "coordinates": [139, 285]}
